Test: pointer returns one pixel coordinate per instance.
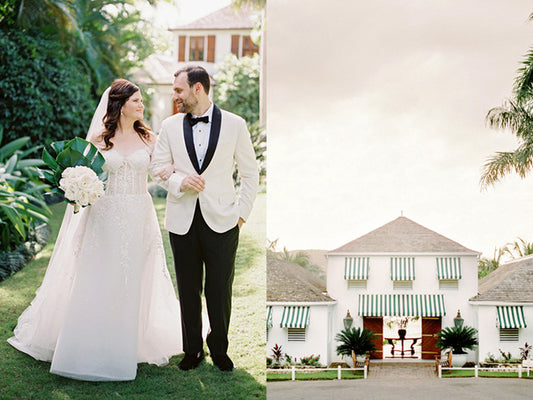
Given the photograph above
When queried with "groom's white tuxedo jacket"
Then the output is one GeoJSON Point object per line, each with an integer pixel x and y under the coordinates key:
{"type": "Point", "coordinates": [229, 142]}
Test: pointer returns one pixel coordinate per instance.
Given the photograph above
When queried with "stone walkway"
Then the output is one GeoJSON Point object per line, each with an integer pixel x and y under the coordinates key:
{"type": "Point", "coordinates": [402, 370]}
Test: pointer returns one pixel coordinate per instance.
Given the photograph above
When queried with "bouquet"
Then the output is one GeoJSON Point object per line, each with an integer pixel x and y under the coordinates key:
{"type": "Point", "coordinates": [75, 171]}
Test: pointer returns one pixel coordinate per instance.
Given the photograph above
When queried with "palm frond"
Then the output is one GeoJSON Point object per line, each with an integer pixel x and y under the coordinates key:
{"type": "Point", "coordinates": [517, 118]}
{"type": "Point", "coordinates": [524, 81]}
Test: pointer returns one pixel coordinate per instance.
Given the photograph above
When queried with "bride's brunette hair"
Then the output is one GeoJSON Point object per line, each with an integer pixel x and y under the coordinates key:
{"type": "Point", "coordinates": [121, 90]}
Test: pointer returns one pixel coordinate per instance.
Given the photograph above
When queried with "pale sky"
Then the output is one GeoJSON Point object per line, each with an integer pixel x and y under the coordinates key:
{"type": "Point", "coordinates": [172, 13]}
{"type": "Point", "coordinates": [378, 107]}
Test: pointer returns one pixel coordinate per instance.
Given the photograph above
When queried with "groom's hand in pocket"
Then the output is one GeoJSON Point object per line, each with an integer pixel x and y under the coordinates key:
{"type": "Point", "coordinates": [193, 182]}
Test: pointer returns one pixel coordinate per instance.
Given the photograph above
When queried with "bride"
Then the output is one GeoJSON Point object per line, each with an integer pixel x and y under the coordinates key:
{"type": "Point", "coordinates": [107, 301]}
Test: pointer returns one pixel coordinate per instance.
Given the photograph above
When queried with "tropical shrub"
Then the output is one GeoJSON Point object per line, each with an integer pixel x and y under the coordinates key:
{"type": "Point", "coordinates": [22, 207]}
{"type": "Point", "coordinates": [360, 341]}
{"type": "Point", "coordinates": [237, 90]}
{"type": "Point", "coordinates": [13, 260]}
{"type": "Point", "coordinates": [312, 360]}
{"type": "Point", "coordinates": [43, 94]}
{"type": "Point", "coordinates": [525, 351]}
{"type": "Point", "coordinates": [22, 204]}
{"type": "Point", "coordinates": [277, 353]}
{"type": "Point", "coordinates": [457, 339]}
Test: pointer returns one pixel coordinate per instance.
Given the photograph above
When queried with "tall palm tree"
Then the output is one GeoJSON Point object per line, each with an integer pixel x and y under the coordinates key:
{"type": "Point", "coordinates": [519, 248]}
{"type": "Point", "coordinates": [516, 115]}
{"type": "Point", "coordinates": [301, 258]}
{"type": "Point", "coordinates": [524, 81]}
{"type": "Point", "coordinates": [487, 265]}
{"type": "Point", "coordinates": [58, 13]}
{"type": "Point", "coordinates": [104, 34]}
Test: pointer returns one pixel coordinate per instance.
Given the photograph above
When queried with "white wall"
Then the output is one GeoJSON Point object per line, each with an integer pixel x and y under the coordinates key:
{"type": "Point", "coordinates": [316, 342]}
{"type": "Point", "coordinates": [489, 333]}
{"type": "Point", "coordinates": [379, 282]}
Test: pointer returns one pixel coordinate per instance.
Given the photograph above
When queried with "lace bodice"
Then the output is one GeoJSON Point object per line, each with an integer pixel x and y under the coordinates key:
{"type": "Point", "coordinates": [126, 174]}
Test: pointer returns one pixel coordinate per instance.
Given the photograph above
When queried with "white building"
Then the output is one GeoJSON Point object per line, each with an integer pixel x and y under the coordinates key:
{"type": "Point", "coordinates": [298, 311]}
{"type": "Point", "coordinates": [402, 269]}
{"type": "Point", "coordinates": [504, 308]}
{"type": "Point", "coordinates": [206, 42]}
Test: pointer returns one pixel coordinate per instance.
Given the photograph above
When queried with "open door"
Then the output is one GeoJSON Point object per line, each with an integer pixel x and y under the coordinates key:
{"type": "Point", "coordinates": [430, 327]}
{"type": "Point", "coordinates": [376, 325]}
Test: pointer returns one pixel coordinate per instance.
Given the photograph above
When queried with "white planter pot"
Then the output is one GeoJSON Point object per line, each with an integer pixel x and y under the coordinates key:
{"type": "Point", "coordinates": [458, 360]}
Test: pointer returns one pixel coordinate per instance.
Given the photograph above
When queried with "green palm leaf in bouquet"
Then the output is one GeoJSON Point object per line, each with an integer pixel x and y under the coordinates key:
{"type": "Point", "coordinates": [64, 158]}
{"type": "Point", "coordinates": [61, 155]}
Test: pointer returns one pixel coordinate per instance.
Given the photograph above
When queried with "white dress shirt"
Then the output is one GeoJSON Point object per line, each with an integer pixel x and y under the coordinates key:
{"type": "Point", "coordinates": [200, 135]}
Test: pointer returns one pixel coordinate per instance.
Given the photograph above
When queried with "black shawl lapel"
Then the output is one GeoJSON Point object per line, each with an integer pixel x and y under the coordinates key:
{"type": "Point", "coordinates": [189, 143]}
{"type": "Point", "coordinates": [213, 137]}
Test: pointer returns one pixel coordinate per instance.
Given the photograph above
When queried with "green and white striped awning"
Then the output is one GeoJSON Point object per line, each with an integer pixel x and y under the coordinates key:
{"type": "Point", "coordinates": [511, 317]}
{"type": "Point", "coordinates": [401, 305]}
{"type": "Point", "coordinates": [269, 317]}
{"type": "Point", "coordinates": [402, 268]}
{"type": "Point", "coordinates": [449, 268]}
{"type": "Point", "coordinates": [295, 317]}
{"type": "Point", "coordinates": [356, 268]}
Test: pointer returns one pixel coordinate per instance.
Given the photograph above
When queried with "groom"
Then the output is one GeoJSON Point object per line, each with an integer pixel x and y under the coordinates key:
{"type": "Point", "coordinates": [204, 214]}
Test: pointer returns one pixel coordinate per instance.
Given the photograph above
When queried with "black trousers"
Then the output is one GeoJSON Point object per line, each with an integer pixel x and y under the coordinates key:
{"type": "Point", "coordinates": [199, 247]}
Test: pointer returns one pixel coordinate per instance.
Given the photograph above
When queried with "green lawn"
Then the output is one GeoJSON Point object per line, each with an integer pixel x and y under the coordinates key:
{"type": "Point", "coordinates": [22, 377]}
{"type": "Point", "coordinates": [310, 376]}
{"type": "Point", "coordinates": [485, 374]}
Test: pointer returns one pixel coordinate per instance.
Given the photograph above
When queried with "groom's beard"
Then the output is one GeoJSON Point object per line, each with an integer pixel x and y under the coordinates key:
{"type": "Point", "coordinates": [187, 105]}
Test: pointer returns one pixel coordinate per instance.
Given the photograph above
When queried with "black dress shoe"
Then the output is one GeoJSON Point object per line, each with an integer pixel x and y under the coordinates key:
{"type": "Point", "coordinates": [191, 361]}
{"type": "Point", "coordinates": [223, 362]}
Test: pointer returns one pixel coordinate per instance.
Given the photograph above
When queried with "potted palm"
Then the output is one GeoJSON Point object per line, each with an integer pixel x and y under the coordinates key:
{"type": "Point", "coordinates": [355, 342]}
{"type": "Point", "coordinates": [457, 339]}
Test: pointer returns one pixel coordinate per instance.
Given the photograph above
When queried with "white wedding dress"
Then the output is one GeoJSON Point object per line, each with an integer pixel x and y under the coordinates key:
{"type": "Point", "coordinates": [107, 301]}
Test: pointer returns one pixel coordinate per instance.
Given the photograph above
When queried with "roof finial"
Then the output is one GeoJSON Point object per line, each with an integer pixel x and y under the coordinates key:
{"type": "Point", "coordinates": [401, 213]}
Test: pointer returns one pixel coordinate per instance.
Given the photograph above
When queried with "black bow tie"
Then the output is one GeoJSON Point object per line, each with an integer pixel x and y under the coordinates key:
{"type": "Point", "coordinates": [194, 120]}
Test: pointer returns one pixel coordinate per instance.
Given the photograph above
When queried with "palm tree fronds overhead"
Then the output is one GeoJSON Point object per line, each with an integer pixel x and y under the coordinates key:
{"type": "Point", "coordinates": [515, 115]}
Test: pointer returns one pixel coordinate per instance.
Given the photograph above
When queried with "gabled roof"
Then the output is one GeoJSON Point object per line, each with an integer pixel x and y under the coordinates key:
{"type": "Point", "coordinates": [289, 282]}
{"type": "Point", "coordinates": [403, 236]}
{"type": "Point", "coordinates": [225, 18]}
{"type": "Point", "coordinates": [510, 282]}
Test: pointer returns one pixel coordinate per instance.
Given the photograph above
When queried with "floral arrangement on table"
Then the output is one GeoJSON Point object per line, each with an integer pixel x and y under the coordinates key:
{"type": "Point", "coordinates": [75, 171]}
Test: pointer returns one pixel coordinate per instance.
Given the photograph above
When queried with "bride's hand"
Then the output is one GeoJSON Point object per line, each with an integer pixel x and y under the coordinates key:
{"type": "Point", "coordinates": [165, 172]}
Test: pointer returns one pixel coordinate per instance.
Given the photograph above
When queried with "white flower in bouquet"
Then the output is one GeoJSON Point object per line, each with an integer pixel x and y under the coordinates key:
{"type": "Point", "coordinates": [81, 186]}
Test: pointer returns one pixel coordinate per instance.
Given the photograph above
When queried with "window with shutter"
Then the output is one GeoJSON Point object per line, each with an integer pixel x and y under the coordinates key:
{"type": "Point", "coordinates": [181, 49]}
{"type": "Point", "coordinates": [248, 47]}
{"type": "Point", "coordinates": [235, 44]}
{"type": "Point", "coordinates": [196, 48]}
{"type": "Point", "coordinates": [296, 334]}
{"type": "Point", "coordinates": [211, 48]}
{"type": "Point", "coordinates": [509, 335]}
